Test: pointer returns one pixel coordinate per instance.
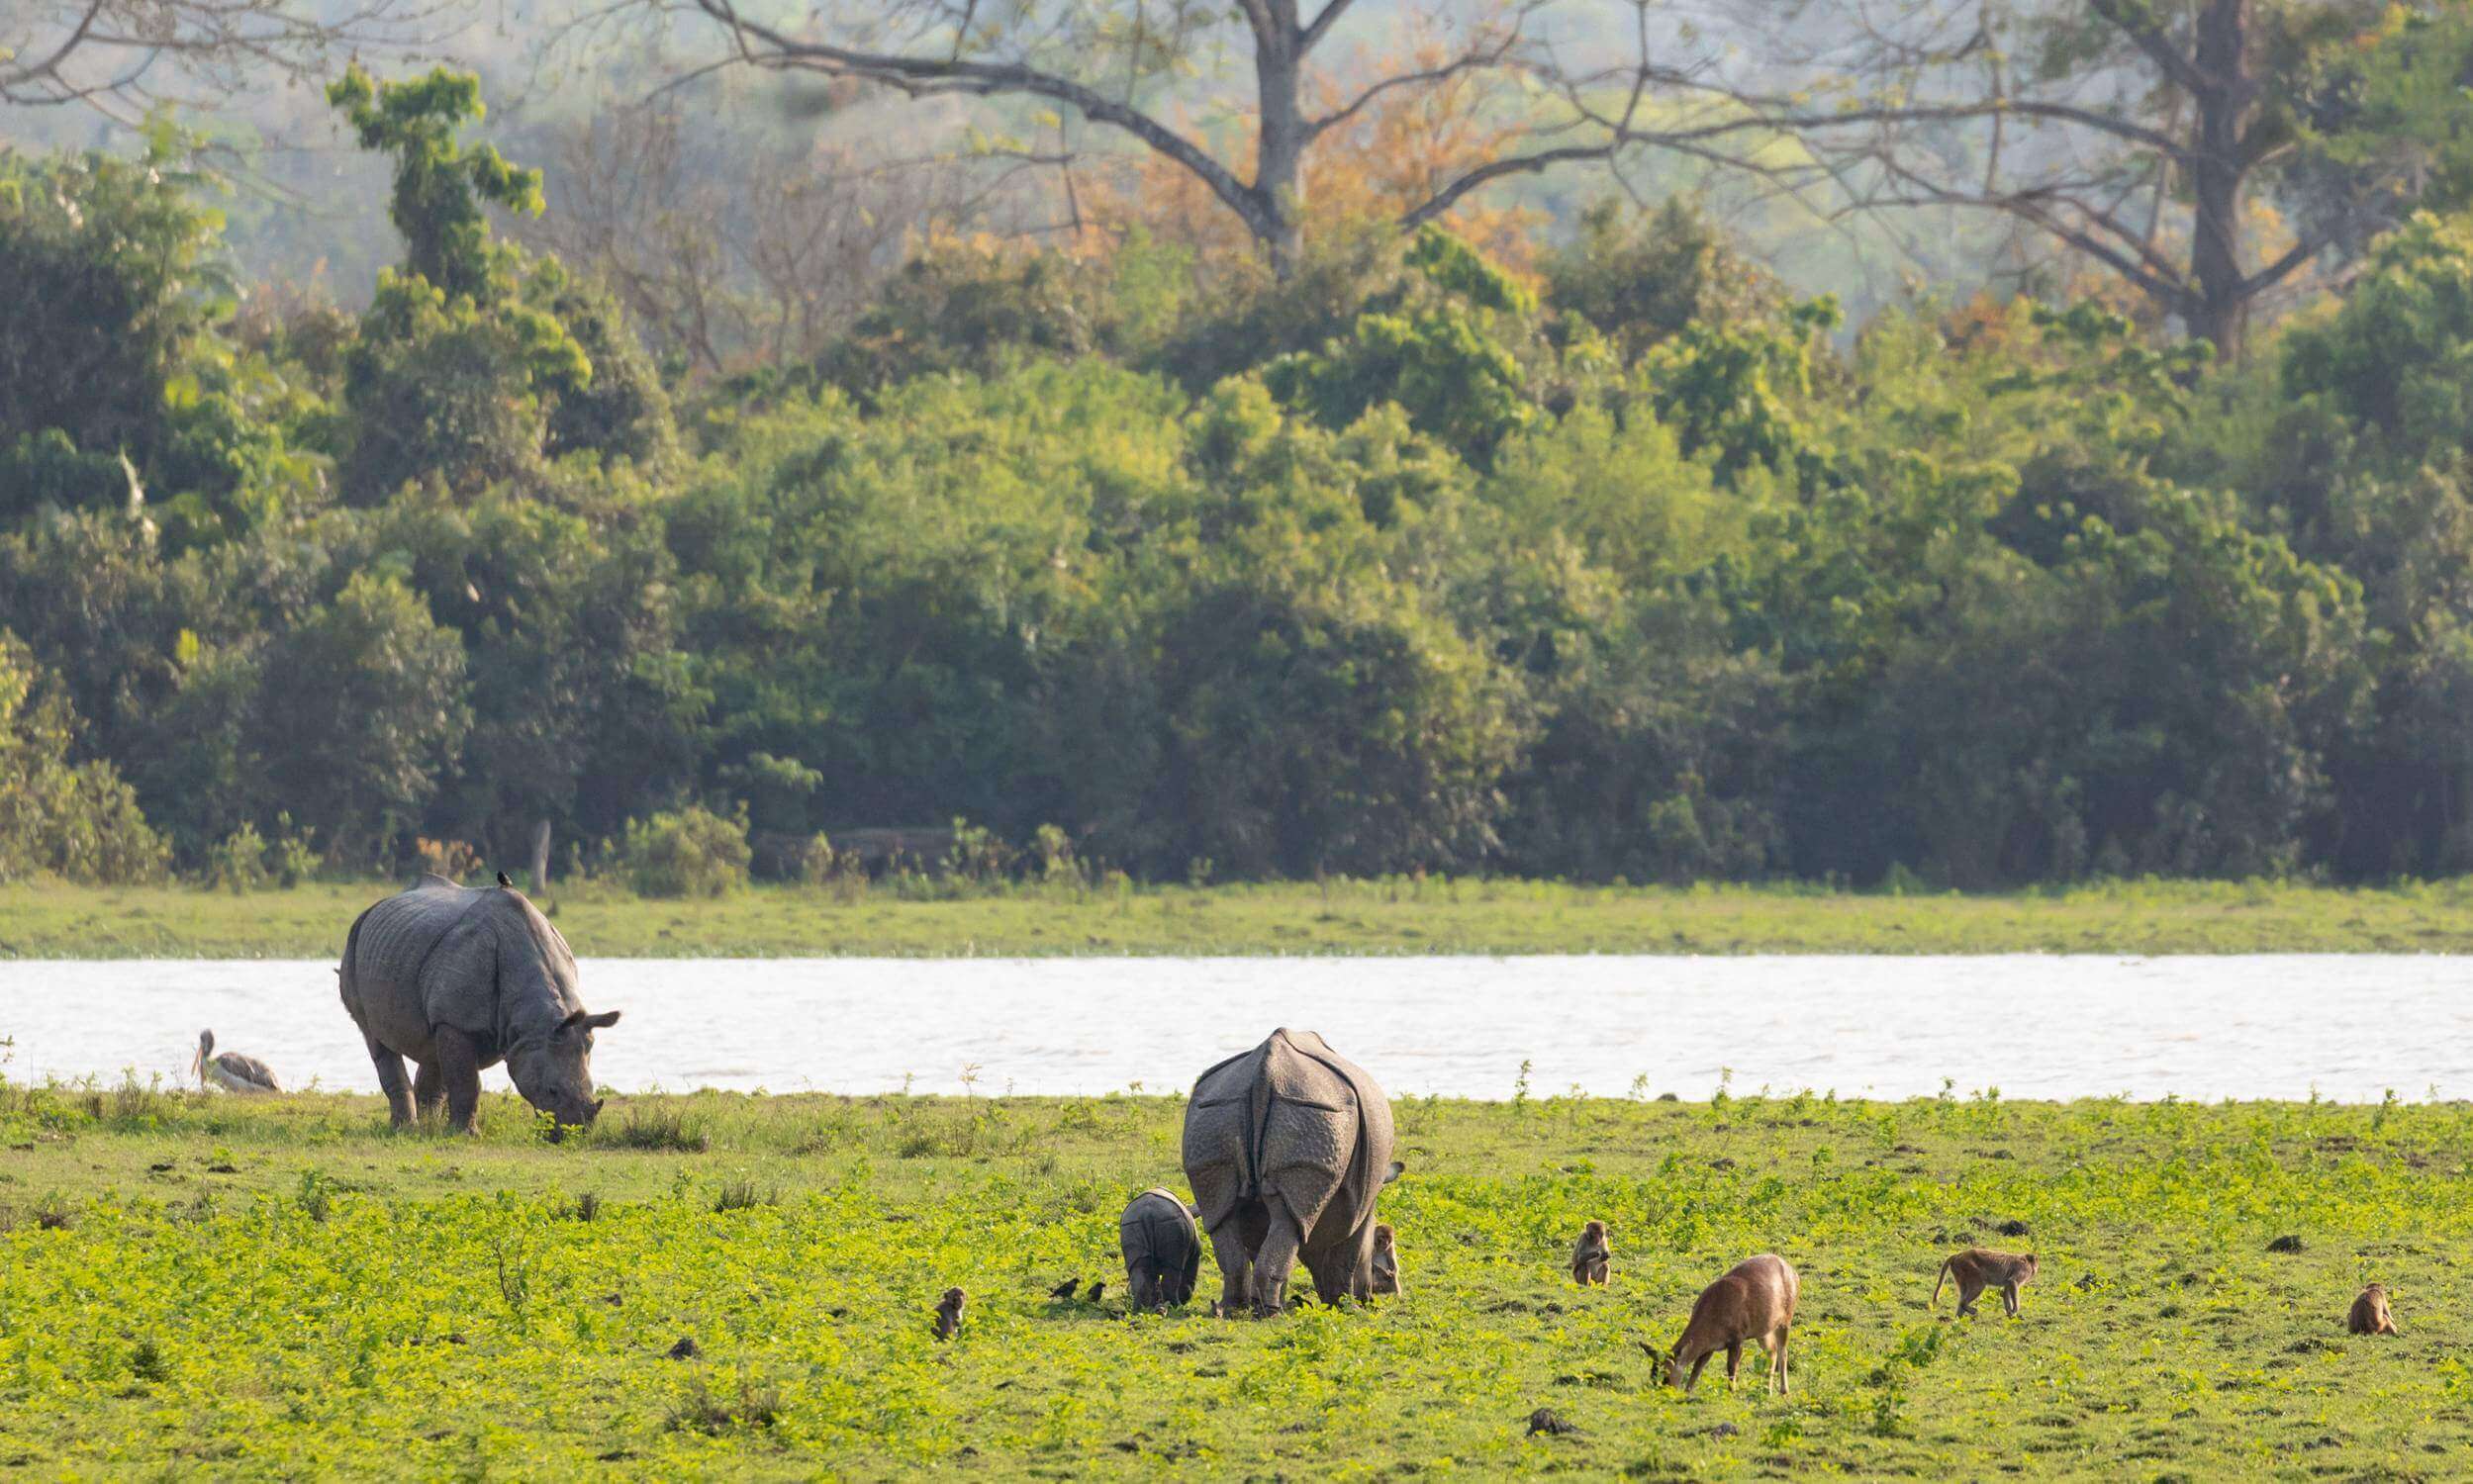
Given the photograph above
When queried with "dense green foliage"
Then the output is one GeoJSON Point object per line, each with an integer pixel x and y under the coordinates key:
{"type": "Point", "coordinates": [1643, 570]}
{"type": "Point", "coordinates": [284, 1287]}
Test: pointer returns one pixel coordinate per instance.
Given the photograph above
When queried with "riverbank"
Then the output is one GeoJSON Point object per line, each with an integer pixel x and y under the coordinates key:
{"type": "Point", "coordinates": [55, 921]}
{"type": "Point", "coordinates": [288, 1287]}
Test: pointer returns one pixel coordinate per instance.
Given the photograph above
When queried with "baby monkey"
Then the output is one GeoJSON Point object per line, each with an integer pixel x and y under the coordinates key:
{"type": "Point", "coordinates": [949, 1314]}
{"type": "Point", "coordinates": [1385, 1260]}
{"type": "Point", "coordinates": [2369, 1314]}
{"type": "Point", "coordinates": [1978, 1268]}
{"type": "Point", "coordinates": [1591, 1255]}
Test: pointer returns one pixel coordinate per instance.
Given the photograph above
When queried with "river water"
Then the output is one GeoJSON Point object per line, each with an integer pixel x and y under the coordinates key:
{"type": "Point", "coordinates": [2033, 1026]}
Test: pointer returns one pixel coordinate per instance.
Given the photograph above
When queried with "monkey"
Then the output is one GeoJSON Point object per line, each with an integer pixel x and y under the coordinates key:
{"type": "Point", "coordinates": [1385, 1260]}
{"type": "Point", "coordinates": [1591, 1255]}
{"type": "Point", "coordinates": [2369, 1314]}
{"type": "Point", "coordinates": [949, 1314]}
{"type": "Point", "coordinates": [1978, 1268]}
{"type": "Point", "coordinates": [1065, 1290]}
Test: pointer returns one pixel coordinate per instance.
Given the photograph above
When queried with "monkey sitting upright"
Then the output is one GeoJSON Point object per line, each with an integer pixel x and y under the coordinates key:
{"type": "Point", "coordinates": [1385, 1260]}
{"type": "Point", "coordinates": [949, 1314]}
{"type": "Point", "coordinates": [1978, 1268]}
{"type": "Point", "coordinates": [1591, 1255]}
{"type": "Point", "coordinates": [2369, 1314]}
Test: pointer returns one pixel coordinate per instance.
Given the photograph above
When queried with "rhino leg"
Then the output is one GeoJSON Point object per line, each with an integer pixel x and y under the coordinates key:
{"type": "Point", "coordinates": [1344, 1270]}
{"type": "Point", "coordinates": [1228, 1245]}
{"type": "Point", "coordinates": [399, 1102]}
{"type": "Point", "coordinates": [1276, 1259]}
{"type": "Point", "coordinates": [429, 1088]}
{"type": "Point", "coordinates": [459, 1066]}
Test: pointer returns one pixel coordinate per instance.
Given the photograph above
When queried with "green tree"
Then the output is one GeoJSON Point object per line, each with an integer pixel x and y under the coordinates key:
{"type": "Point", "coordinates": [1441, 344]}
{"type": "Point", "coordinates": [74, 820]}
{"type": "Point", "coordinates": [116, 392]}
{"type": "Point", "coordinates": [1638, 279]}
{"type": "Point", "coordinates": [367, 718]}
{"type": "Point", "coordinates": [567, 619]}
{"type": "Point", "coordinates": [474, 362]}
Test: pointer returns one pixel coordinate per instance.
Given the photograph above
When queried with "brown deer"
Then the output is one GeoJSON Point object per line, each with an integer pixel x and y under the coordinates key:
{"type": "Point", "coordinates": [1756, 1302]}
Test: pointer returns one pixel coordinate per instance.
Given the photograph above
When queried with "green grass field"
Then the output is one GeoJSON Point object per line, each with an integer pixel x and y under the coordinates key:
{"type": "Point", "coordinates": [54, 921]}
{"type": "Point", "coordinates": [194, 1285]}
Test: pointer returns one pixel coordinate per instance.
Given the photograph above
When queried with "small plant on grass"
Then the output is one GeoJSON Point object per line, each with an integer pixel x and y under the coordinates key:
{"type": "Point", "coordinates": [316, 1196]}
{"type": "Point", "coordinates": [52, 1213]}
{"type": "Point", "coordinates": [742, 1195]}
{"type": "Point", "coordinates": [145, 1360]}
{"type": "Point", "coordinates": [701, 1410]}
{"type": "Point", "coordinates": [657, 1129]}
{"type": "Point", "coordinates": [515, 1282]}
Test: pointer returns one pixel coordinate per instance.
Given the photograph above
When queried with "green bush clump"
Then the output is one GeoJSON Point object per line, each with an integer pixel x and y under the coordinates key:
{"type": "Point", "coordinates": [692, 853]}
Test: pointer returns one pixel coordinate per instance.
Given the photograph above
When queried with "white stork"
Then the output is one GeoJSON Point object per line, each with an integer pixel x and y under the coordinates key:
{"type": "Point", "coordinates": [232, 1071]}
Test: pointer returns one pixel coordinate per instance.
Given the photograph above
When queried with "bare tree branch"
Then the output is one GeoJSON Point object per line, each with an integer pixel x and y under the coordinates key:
{"type": "Point", "coordinates": [100, 53]}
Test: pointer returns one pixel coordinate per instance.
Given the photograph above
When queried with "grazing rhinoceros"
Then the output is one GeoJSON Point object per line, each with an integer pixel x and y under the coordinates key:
{"type": "Point", "coordinates": [1286, 1146]}
{"type": "Point", "coordinates": [1163, 1252]}
{"type": "Point", "coordinates": [458, 978]}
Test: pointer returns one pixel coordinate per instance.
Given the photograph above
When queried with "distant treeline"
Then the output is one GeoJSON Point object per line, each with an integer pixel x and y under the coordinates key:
{"type": "Point", "coordinates": [1627, 565]}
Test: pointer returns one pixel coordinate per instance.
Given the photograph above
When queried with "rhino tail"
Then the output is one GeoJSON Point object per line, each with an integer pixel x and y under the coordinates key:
{"type": "Point", "coordinates": [346, 981]}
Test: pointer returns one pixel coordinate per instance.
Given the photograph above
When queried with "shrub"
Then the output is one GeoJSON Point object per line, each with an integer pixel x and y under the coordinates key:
{"type": "Point", "coordinates": [451, 858]}
{"type": "Point", "coordinates": [75, 820]}
{"type": "Point", "coordinates": [238, 863]}
{"type": "Point", "coordinates": [692, 853]}
{"type": "Point", "coordinates": [293, 857]}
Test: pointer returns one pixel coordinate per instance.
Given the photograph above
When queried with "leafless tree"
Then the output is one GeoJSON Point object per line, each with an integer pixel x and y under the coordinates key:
{"type": "Point", "coordinates": [1118, 65]}
{"type": "Point", "coordinates": [725, 250]}
{"type": "Point", "coordinates": [2132, 133]}
{"type": "Point", "coordinates": [125, 56]}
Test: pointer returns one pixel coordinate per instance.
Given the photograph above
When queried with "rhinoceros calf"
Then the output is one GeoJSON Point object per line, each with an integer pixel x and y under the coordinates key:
{"type": "Point", "coordinates": [457, 979]}
{"type": "Point", "coordinates": [1163, 1251]}
{"type": "Point", "coordinates": [1287, 1146]}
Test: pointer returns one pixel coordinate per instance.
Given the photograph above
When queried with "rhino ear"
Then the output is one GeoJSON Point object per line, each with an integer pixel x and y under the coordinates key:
{"type": "Point", "coordinates": [603, 1021]}
{"type": "Point", "coordinates": [1394, 1172]}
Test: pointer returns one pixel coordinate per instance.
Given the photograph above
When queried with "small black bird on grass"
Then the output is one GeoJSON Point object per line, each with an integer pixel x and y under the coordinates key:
{"type": "Point", "coordinates": [1095, 1290]}
{"type": "Point", "coordinates": [503, 880]}
{"type": "Point", "coordinates": [1065, 1290]}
